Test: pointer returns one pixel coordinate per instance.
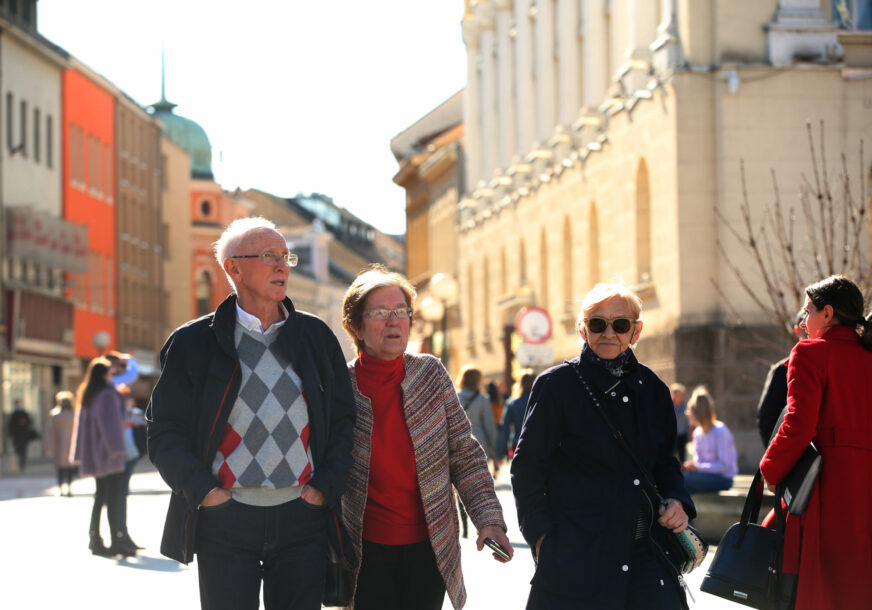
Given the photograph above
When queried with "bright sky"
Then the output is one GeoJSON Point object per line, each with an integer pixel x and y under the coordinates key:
{"type": "Point", "coordinates": [296, 95]}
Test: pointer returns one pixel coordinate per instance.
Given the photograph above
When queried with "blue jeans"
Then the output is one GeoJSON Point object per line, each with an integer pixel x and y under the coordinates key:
{"type": "Point", "coordinates": [239, 546]}
{"type": "Point", "coordinates": [700, 482]}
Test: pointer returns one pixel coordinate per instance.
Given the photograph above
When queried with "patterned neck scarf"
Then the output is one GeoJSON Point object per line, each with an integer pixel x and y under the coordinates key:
{"type": "Point", "coordinates": [616, 366]}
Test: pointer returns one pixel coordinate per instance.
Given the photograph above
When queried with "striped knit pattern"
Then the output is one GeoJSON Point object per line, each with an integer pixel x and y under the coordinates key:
{"type": "Point", "coordinates": [445, 454]}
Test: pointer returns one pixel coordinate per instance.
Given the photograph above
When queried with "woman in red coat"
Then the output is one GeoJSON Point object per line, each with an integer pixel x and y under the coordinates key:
{"type": "Point", "coordinates": [829, 401]}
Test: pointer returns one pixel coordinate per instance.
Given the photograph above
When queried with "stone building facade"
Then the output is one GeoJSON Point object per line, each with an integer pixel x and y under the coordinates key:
{"type": "Point", "coordinates": [604, 137]}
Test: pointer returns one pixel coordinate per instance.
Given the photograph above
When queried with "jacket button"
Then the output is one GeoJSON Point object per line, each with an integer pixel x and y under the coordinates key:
{"type": "Point", "coordinates": [614, 394]}
{"type": "Point", "coordinates": [625, 399]}
{"type": "Point", "coordinates": [635, 481]}
{"type": "Point", "coordinates": [625, 568]}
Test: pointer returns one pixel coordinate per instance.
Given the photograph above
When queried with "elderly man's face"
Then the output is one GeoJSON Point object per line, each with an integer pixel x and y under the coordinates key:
{"type": "Point", "coordinates": [259, 282]}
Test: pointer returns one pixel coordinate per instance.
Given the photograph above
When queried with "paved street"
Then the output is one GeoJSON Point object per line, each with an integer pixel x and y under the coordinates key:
{"type": "Point", "coordinates": [46, 562]}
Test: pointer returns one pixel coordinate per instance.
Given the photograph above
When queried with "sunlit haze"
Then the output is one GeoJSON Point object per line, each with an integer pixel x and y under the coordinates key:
{"type": "Point", "coordinates": [295, 96]}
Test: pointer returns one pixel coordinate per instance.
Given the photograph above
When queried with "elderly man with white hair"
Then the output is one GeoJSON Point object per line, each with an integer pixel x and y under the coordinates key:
{"type": "Point", "coordinates": [250, 424]}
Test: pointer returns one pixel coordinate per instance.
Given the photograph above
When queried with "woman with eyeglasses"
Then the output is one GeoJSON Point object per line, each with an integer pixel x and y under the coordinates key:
{"type": "Point", "coordinates": [594, 529]}
{"type": "Point", "coordinates": [412, 448]}
{"type": "Point", "coordinates": [829, 402]}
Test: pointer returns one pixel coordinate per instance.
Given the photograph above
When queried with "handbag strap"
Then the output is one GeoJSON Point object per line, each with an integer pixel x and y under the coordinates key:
{"type": "Point", "coordinates": [617, 434]}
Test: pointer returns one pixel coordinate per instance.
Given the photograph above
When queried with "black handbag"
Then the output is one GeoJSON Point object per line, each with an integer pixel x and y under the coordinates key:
{"type": "Point", "coordinates": [746, 568]}
{"type": "Point", "coordinates": [685, 550]}
{"type": "Point", "coordinates": [799, 483]}
{"type": "Point", "coordinates": [341, 565]}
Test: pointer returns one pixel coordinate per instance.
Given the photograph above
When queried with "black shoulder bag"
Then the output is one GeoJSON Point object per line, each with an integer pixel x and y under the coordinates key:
{"type": "Point", "coordinates": [687, 549]}
{"type": "Point", "coordinates": [746, 568]}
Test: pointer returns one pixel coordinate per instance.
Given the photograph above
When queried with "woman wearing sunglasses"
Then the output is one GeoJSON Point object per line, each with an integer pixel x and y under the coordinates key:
{"type": "Point", "coordinates": [583, 506]}
{"type": "Point", "coordinates": [412, 448]}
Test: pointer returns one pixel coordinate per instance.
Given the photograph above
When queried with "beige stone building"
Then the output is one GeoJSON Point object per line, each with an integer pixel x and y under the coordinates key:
{"type": "Point", "coordinates": [176, 187]}
{"type": "Point", "coordinates": [602, 136]}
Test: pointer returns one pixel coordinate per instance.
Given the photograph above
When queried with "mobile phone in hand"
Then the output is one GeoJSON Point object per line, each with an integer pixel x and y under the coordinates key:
{"type": "Point", "coordinates": [497, 548]}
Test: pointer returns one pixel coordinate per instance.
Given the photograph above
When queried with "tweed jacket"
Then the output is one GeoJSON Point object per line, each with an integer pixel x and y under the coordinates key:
{"type": "Point", "coordinates": [445, 454]}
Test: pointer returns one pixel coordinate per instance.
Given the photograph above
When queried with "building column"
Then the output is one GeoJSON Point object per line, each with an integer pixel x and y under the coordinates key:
{"type": "Point", "coordinates": [506, 108]}
{"type": "Point", "coordinates": [526, 113]}
{"type": "Point", "coordinates": [567, 81]}
{"type": "Point", "coordinates": [800, 29]}
{"type": "Point", "coordinates": [472, 103]}
{"type": "Point", "coordinates": [666, 48]}
{"type": "Point", "coordinates": [489, 127]}
{"type": "Point", "coordinates": [596, 70]}
{"type": "Point", "coordinates": [546, 92]}
{"type": "Point", "coordinates": [641, 24]}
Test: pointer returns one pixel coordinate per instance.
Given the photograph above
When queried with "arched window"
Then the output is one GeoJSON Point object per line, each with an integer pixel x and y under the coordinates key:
{"type": "Point", "coordinates": [486, 301]}
{"type": "Point", "coordinates": [593, 270]}
{"type": "Point", "coordinates": [543, 269]}
{"type": "Point", "coordinates": [522, 265]}
{"type": "Point", "coordinates": [643, 224]}
{"type": "Point", "coordinates": [504, 283]}
{"type": "Point", "coordinates": [568, 295]}
{"type": "Point", "coordinates": [204, 293]}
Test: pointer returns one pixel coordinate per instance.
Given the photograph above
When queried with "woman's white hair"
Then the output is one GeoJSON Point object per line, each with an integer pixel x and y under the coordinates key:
{"type": "Point", "coordinates": [603, 292]}
{"type": "Point", "coordinates": [228, 244]}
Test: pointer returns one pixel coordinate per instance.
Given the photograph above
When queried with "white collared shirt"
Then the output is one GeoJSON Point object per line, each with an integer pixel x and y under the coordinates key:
{"type": "Point", "coordinates": [252, 323]}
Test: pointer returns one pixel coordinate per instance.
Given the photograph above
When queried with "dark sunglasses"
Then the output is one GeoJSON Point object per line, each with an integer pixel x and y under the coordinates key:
{"type": "Point", "coordinates": [599, 325]}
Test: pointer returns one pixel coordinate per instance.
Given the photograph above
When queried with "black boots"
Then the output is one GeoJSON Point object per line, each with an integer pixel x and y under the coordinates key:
{"type": "Point", "coordinates": [122, 545]}
{"type": "Point", "coordinates": [97, 547]}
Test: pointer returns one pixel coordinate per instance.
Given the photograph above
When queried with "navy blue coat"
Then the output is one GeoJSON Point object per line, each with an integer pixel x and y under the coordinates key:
{"type": "Point", "coordinates": [573, 481]}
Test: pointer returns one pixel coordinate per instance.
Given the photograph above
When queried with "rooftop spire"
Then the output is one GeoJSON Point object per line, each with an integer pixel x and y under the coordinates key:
{"type": "Point", "coordinates": [163, 105]}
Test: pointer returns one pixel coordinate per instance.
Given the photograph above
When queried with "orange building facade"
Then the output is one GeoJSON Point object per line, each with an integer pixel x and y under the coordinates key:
{"type": "Point", "coordinates": [89, 198]}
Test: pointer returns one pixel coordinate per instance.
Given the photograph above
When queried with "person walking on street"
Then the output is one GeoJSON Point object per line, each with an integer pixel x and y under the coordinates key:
{"type": "Point", "coordinates": [250, 424]}
{"type": "Point", "coordinates": [682, 428]}
{"type": "Point", "coordinates": [98, 447]}
{"type": "Point", "coordinates": [21, 431]}
{"type": "Point", "coordinates": [60, 440]}
{"type": "Point", "coordinates": [513, 418]}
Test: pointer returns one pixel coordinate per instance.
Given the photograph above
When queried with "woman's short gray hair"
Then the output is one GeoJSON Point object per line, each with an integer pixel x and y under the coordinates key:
{"type": "Point", "coordinates": [603, 292]}
{"type": "Point", "coordinates": [227, 244]}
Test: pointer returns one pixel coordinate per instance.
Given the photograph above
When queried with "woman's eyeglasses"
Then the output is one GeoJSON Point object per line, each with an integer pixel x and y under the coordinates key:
{"type": "Point", "coordinates": [402, 313]}
{"type": "Point", "coordinates": [599, 325]}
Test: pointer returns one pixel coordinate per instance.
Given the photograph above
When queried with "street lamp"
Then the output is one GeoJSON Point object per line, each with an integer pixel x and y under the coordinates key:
{"type": "Point", "coordinates": [443, 287]}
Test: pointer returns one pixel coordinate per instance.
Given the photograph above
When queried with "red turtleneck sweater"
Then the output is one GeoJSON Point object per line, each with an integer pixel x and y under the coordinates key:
{"type": "Point", "coordinates": [394, 513]}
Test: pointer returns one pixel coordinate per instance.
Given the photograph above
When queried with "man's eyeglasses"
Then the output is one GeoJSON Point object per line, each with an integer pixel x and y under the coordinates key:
{"type": "Point", "coordinates": [402, 313]}
{"type": "Point", "coordinates": [273, 258]}
{"type": "Point", "coordinates": [599, 325]}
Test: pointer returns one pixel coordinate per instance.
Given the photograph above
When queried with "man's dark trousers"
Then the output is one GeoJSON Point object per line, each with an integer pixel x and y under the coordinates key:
{"type": "Point", "coordinates": [238, 546]}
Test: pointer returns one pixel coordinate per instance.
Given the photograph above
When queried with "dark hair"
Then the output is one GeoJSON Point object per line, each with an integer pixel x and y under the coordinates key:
{"type": "Point", "coordinates": [373, 277]}
{"type": "Point", "coordinates": [846, 299]}
{"type": "Point", "coordinates": [527, 380]}
{"type": "Point", "coordinates": [94, 382]}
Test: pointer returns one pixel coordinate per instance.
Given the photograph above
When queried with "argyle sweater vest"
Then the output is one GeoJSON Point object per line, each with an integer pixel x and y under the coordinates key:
{"type": "Point", "coordinates": [265, 444]}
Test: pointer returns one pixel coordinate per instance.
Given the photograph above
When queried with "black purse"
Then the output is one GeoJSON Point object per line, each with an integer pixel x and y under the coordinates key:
{"type": "Point", "coordinates": [341, 565]}
{"type": "Point", "coordinates": [799, 483]}
{"type": "Point", "coordinates": [685, 550]}
{"type": "Point", "coordinates": [746, 568]}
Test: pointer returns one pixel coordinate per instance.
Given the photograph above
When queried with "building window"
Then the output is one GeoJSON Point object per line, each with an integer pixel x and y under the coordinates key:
{"type": "Point", "coordinates": [23, 144]}
{"type": "Point", "coordinates": [49, 141]}
{"type": "Point", "coordinates": [10, 142]}
{"type": "Point", "coordinates": [36, 138]}
{"type": "Point", "coordinates": [204, 293]}
{"type": "Point", "coordinates": [593, 270]}
{"type": "Point", "coordinates": [25, 10]}
{"type": "Point", "coordinates": [568, 296]}
{"type": "Point", "coordinates": [643, 224]}
{"type": "Point", "coordinates": [108, 188]}
{"type": "Point", "coordinates": [853, 14]}
{"type": "Point", "coordinates": [205, 210]}
{"type": "Point", "coordinates": [543, 269]}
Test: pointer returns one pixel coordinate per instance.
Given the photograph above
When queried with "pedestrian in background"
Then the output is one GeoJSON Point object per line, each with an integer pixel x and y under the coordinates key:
{"type": "Point", "coordinates": [774, 396]}
{"type": "Point", "coordinates": [98, 447]}
{"type": "Point", "coordinates": [21, 431]}
{"type": "Point", "coordinates": [829, 393]}
{"type": "Point", "coordinates": [60, 439]}
{"type": "Point", "coordinates": [714, 462]}
{"type": "Point", "coordinates": [682, 429]}
{"type": "Point", "coordinates": [513, 417]}
{"type": "Point", "coordinates": [412, 450]}
{"type": "Point", "coordinates": [496, 402]}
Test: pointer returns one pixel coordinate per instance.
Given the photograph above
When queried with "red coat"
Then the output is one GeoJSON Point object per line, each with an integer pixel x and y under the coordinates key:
{"type": "Point", "coordinates": [829, 400]}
